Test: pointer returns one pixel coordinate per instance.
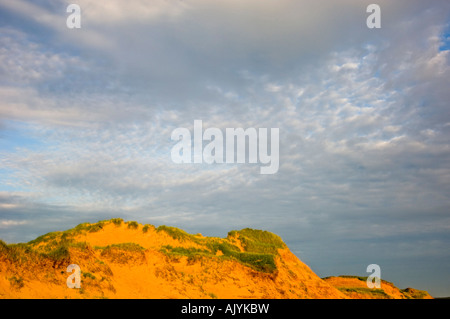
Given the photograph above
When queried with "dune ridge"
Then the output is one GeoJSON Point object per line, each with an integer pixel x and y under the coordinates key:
{"type": "Point", "coordinates": [121, 259]}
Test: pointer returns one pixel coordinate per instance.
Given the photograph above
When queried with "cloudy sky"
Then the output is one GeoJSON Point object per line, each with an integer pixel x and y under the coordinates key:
{"type": "Point", "coordinates": [86, 117]}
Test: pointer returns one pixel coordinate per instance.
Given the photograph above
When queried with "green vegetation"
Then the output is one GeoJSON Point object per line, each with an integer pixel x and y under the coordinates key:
{"type": "Point", "coordinates": [88, 275]}
{"type": "Point", "coordinates": [59, 253]}
{"type": "Point", "coordinates": [212, 295]}
{"type": "Point", "coordinates": [51, 240]}
{"type": "Point", "coordinates": [223, 246]}
{"type": "Point", "coordinates": [181, 251]}
{"type": "Point", "coordinates": [19, 253]}
{"type": "Point", "coordinates": [260, 247]}
{"type": "Point", "coordinates": [369, 291]}
{"type": "Point", "coordinates": [123, 246]}
{"type": "Point", "coordinates": [361, 278]}
{"type": "Point", "coordinates": [123, 253]}
{"type": "Point", "coordinates": [258, 241]}
{"type": "Point", "coordinates": [96, 227]}
{"type": "Point", "coordinates": [16, 282]}
{"type": "Point", "coordinates": [117, 221]}
{"type": "Point", "coordinates": [45, 238]}
{"type": "Point", "coordinates": [175, 233]}
{"type": "Point", "coordinates": [411, 293]}
{"type": "Point", "coordinates": [146, 228]}
{"type": "Point", "coordinates": [132, 225]}
{"type": "Point", "coordinates": [87, 227]}
{"type": "Point", "coordinates": [260, 262]}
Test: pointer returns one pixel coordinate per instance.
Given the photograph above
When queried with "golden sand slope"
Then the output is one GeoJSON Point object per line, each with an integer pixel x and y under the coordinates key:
{"type": "Point", "coordinates": [356, 288]}
{"type": "Point", "coordinates": [130, 260]}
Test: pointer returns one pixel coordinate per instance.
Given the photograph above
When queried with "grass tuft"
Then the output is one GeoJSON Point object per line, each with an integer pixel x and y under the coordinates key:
{"type": "Point", "coordinates": [147, 227]}
{"type": "Point", "coordinates": [117, 221]}
{"type": "Point", "coordinates": [132, 225]}
{"type": "Point", "coordinates": [174, 232]}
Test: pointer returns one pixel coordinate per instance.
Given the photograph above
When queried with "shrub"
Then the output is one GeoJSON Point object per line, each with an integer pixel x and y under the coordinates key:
{"type": "Point", "coordinates": [146, 227]}
{"type": "Point", "coordinates": [117, 221]}
{"type": "Point", "coordinates": [132, 225]}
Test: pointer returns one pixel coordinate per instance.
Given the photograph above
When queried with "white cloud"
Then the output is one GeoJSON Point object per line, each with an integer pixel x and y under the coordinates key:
{"type": "Point", "coordinates": [363, 117]}
{"type": "Point", "coordinates": [9, 223]}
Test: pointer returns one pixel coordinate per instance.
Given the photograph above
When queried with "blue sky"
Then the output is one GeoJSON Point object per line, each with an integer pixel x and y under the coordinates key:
{"type": "Point", "coordinates": [86, 117]}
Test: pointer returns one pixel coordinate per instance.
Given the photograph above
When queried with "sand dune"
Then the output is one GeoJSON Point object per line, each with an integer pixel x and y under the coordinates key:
{"type": "Point", "coordinates": [128, 260]}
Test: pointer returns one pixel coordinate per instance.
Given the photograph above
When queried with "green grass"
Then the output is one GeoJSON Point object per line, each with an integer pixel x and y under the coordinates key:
{"type": "Point", "coordinates": [414, 293]}
{"type": "Point", "coordinates": [260, 247]}
{"type": "Point", "coordinates": [45, 238]}
{"type": "Point", "coordinates": [54, 247]}
{"type": "Point", "coordinates": [259, 255]}
{"type": "Point", "coordinates": [59, 253]}
{"type": "Point", "coordinates": [86, 227]}
{"type": "Point", "coordinates": [368, 291]}
{"type": "Point", "coordinates": [132, 225]}
{"type": "Point", "coordinates": [20, 253]}
{"type": "Point", "coordinates": [174, 232]}
{"type": "Point", "coordinates": [147, 227]}
{"type": "Point", "coordinates": [88, 275]}
{"type": "Point", "coordinates": [117, 221]}
{"type": "Point", "coordinates": [3, 246]}
{"type": "Point", "coordinates": [123, 253]}
{"type": "Point", "coordinates": [223, 246]}
{"type": "Point", "coordinates": [361, 278]}
{"type": "Point", "coordinates": [260, 262]}
{"type": "Point", "coordinates": [67, 235]}
{"type": "Point", "coordinates": [181, 251]}
{"type": "Point", "coordinates": [258, 241]}
{"type": "Point", "coordinates": [124, 246]}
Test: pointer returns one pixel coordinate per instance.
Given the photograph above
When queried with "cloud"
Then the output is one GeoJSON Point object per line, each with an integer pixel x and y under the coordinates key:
{"type": "Point", "coordinates": [8, 223]}
{"type": "Point", "coordinates": [87, 115]}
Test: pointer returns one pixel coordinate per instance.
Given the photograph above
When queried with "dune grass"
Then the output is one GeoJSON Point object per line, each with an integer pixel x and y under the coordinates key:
{"type": "Point", "coordinates": [261, 247]}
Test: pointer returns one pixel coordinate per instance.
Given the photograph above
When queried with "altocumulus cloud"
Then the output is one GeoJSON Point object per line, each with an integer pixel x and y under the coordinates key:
{"type": "Point", "coordinates": [86, 117]}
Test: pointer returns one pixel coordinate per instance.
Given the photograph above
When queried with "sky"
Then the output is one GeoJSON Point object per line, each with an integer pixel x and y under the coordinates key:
{"type": "Point", "coordinates": [86, 116]}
